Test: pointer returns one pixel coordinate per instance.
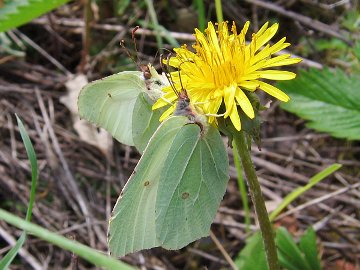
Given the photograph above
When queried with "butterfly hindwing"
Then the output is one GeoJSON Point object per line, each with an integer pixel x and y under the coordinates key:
{"type": "Point", "coordinates": [192, 184]}
{"type": "Point", "coordinates": [145, 122]}
{"type": "Point", "coordinates": [173, 195]}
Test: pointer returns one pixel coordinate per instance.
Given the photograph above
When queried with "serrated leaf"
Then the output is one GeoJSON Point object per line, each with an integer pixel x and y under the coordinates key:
{"type": "Point", "coordinates": [308, 246]}
{"type": "Point", "coordinates": [174, 192]}
{"type": "Point", "coordinates": [252, 256]}
{"type": "Point", "coordinates": [289, 254]}
{"type": "Point", "coordinates": [246, 259]}
{"type": "Point", "coordinates": [17, 12]}
{"type": "Point", "coordinates": [330, 100]}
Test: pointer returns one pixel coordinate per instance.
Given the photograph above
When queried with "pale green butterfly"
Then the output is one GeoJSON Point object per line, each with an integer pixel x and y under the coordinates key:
{"type": "Point", "coordinates": [175, 190]}
{"type": "Point", "coordinates": [121, 104]}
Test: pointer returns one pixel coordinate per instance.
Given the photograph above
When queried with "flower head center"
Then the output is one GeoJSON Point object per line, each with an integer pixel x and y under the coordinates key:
{"type": "Point", "coordinates": [223, 67]}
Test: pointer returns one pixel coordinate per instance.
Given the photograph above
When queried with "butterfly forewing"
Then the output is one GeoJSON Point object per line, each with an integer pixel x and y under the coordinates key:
{"type": "Point", "coordinates": [109, 103]}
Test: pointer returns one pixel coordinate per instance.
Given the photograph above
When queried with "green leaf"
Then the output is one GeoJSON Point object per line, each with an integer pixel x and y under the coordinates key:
{"type": "Point", "coordinates": [17, 12]}
{"type": "Point", "coordinates": [33, 164]}
{"type": "Point", "coordinates": [329, 100]}
{"type": "Point", "coordinates": [357, 50]}
{"type": "Point", "coordinates": [252, 256]}
{"type": "Point", "coordinates": [121, 6]}
{"type": "Point", "coordinates": [289, 254]}
{"type": "Point", "coordinates": [308, 247]}
{"type": "Point", "coordinates": [174, 192]}
{"type": "Point", "coordinates": [9, 257]}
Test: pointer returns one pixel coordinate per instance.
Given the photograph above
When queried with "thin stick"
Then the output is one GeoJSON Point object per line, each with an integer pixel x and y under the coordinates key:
{"type": "Point", "coordinates": [317, 25]}
{"type": "Point", "coordinates": [223, 251]}
{"type": "Point", "coordinates": [42, 52]}
{"type": "Point", "coordinates": [155, 23]}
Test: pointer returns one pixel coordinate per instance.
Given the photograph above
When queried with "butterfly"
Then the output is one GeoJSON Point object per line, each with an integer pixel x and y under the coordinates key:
{"type": "Point", "coordinates": [173, 194]}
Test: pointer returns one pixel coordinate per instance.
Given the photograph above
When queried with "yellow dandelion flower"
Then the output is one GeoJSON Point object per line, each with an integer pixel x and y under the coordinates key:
{"type": "Point", "coordinates": [223, 67]}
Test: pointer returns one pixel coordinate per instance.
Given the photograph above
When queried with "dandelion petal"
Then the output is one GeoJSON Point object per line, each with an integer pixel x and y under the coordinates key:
{"type": "Point", "coordinates": [229, 98]}
{"type": "Point", "coordinates": [235, 119]}
{"type": "Point", "coordinates": [273, 91]}
{"type": "Point", "coordinates": [244, 103]}
{"type": "Point", "coordinates": [276, 75]}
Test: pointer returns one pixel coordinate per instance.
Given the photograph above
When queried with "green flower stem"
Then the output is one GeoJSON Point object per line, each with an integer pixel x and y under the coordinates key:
{"type": "Point", "coordinates": [258, 201]}
{"type": "Point", "coordinates": [155, 23]}
{"type": "Point", "coordinates": [219, 13]}
{"type": "Point", "coordinates": [242, 187]}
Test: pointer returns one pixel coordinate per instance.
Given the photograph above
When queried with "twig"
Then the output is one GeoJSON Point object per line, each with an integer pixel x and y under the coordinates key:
{"type": "Point", "coordinates": [115, 28]}
{"type": "Point", "coordinates": [279, 170]}
{"type": "Point", "coordinates": [232, 224]}
{"type": "Point", "coordinates": [207, 256]}
{"type": "Point", "coordinates": [317, 25]}
{"type": "Point", "coordinates": [223, 251]}
{"type": "Point", "coordinates": [346, 218]}
{"type": "Point", "coordinates": [42, 52]}
{"type": "Point", "coordinates": [69, 177]}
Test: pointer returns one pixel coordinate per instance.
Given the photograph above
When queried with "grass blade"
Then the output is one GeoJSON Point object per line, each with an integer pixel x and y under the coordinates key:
{"type": "Point", "coordinates": [300, 190]}
{"type": "Point", "coordinates": [77, 248]}
{"type": "Point", "coordinates": [33, 164]}
{"type": "Point", "coordinates": [201, 14]}
{"type": "Point", "coordinates": [155, 22]}
{"type": "Point", "coordinates": [218, 9]}
{"type": "Point", "coordinates": [9, 257]}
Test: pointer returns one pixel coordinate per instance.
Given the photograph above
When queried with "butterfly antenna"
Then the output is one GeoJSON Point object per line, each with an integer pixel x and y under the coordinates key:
{"type": "Point", "coordinates": [167, 72]}
{"type": "Point", "coordinates": [134, 41]}
{"type": "Point", "coordinates": [179, 69]}
{"type": "Point", "coordinates": [122, 44]}
{"type": "Point", "coordinates": [156, 54]}
{"type": "Point", "coordinates": [182, 86]}
{"type": "Point", "coordinates": [167, 67]}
